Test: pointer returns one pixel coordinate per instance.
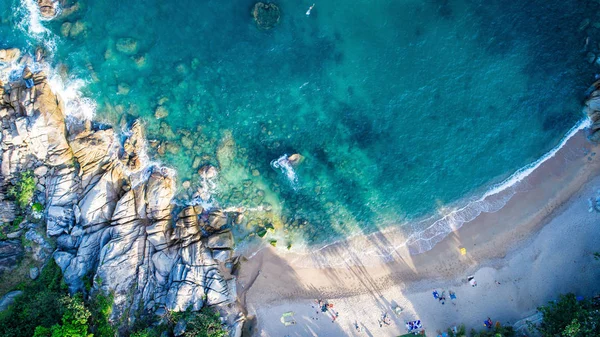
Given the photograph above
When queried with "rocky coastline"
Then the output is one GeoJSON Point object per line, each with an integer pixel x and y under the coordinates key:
{"type": "Point", "coordinates": [107, 217]}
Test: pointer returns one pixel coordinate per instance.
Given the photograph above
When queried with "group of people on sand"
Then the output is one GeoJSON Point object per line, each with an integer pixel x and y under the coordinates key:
{"type": "Point", "coordinates": [385, 319]}
{"type": "Point", "coordinates": [442, 297]}
{"type": "Point", "coordinates": [326, 307]}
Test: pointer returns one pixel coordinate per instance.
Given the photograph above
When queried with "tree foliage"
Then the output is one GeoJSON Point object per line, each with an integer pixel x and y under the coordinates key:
{"type": "Point", "coordinates": [37, 306]}
{"type": "Point", "coordinates": [74, 319]}
{"type": "Point", "coordinates": [101, 308]}
{"type": "Point", "coordinates": [46, 310]}
{"type": "Point", "coordinates": [204, 323]}
{"type": "Point", "coordinates": [569, 317]}
{"type": "Point", "coordinates": [498, 331]}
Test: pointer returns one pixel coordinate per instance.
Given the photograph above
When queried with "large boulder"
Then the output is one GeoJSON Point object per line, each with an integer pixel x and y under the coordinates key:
{"type": "Point", "coordinates": [47, 8]}
{"type": "Point", "coordinates": [93, 150]}
{"type": "Point", "coordinates": [133, 148]}
{"type": "Point", "coordinates": [10, 253]}
{"type": "Point", "coordinates": [216, 220]}
{"type": "Point", "coordinates": [8, 299]}
{"type": "Point", "coordinates": [159, 192]}
{"type": "Point", "coordinates": [266, 15]}
{"type": "Point", "coordinates": [208, 172]}
{"type": "Point", "coordinates": [48, 128]}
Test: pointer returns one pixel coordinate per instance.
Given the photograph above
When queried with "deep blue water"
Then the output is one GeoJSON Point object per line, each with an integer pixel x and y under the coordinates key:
{"type": "Point", "coordinates": [399, 107]}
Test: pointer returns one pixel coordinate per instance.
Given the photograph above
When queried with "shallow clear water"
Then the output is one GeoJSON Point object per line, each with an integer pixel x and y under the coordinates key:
{"type": "Point", "coordinates": [399, 107]}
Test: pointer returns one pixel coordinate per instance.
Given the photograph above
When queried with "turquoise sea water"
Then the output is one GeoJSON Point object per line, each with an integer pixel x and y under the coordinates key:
{"type": "Point", "coordinates": [399, 107]}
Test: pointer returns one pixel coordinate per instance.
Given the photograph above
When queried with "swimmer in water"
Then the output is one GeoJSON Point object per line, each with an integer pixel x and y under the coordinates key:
{"type": "Point", "coordinates": [310, 9]}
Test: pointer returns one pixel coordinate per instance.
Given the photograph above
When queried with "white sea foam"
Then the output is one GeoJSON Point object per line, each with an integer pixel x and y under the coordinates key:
{"type": "Point", "coordinates": [492, 201]}
{"type": "Point", "coordinates": [283, 164]}
{"type": "Point", "coordinates": [32, 23]}
{"type": "Point", "coordinates": [69, 91]}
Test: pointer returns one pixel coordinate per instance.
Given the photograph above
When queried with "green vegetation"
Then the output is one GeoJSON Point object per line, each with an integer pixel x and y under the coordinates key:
{"type": "Point", "coordinates": [23, 190]}
{"type": "Point", "coordinates": [37, 207]}
{"type": "Point", "coordinates": [101, 308]}
{"type": "Point", "coordinates": [569, 317]}
{"type": "Point", "coordinates": [566, 317]}
{"type": "Point", "coordinates": [204, 323]}
{"type": "Point", "coordinates": [145, 333]}
{"type": "Point", "coordinates": [46, 310]}
{"type": "Point", "coordinates": [75, 317]}
{"type": "Point", "coordinates": [498, 331]}
{"type": "Point", "coordinates": [38, 305]}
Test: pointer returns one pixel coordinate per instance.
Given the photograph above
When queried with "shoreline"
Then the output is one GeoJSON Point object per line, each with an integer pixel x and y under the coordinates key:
{"type": "Point", "coordinates": [559, 185]}
{"type": "Point", "coordinates": [503, 190]}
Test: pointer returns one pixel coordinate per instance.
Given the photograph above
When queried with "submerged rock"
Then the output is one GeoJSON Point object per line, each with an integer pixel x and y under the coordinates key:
{"type": "Point", "coordinates": [161, 112]}
{"type": "Point", "coordinates": [77, 29]}
{"type": "Point", "coordinates": [208, 172]}
{"type": "Point", "coordinates": [266, 15]}
{"type": "Point", "coordinates": [127, 46]}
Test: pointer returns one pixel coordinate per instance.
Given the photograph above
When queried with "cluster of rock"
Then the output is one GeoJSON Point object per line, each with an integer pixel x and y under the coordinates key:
{"type": "Point", "coordinates": [113, 217]}
{"type": "Point", "coordinates": [592, 109]}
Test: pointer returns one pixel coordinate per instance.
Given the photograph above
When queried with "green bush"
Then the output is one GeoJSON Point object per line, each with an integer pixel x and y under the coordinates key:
{"type": "Point", "coordinates": [496, 332]}
{"type": "Point", "coordinates": [74, 319]}
{"type": "Point", "coordinates": [204, 323]}
{"type": "Point", "coordinates": [569, 317]}
{"type": "Point", "coordinates": [461, 332]}
{"type": "Point", "coordinates": [23, 190]}
{"type": "Point", "coordinates": [37, 207]}
{"type": "Point", "coordinates": [148, 332]}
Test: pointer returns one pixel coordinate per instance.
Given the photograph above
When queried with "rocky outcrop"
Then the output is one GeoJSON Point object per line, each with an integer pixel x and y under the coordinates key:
{"type": "Point", "coordinates": [9, 55]}
{"type": "Point", "coordinates": [592, 109]}
{"type": "Point", "coordinates": [111, 213]}
{"type": "Point", "coordinates": [266, 15]}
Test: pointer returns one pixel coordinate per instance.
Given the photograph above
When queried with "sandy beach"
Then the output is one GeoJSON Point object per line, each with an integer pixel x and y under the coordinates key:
{"type": "Point", "coordinates": [540, 244]}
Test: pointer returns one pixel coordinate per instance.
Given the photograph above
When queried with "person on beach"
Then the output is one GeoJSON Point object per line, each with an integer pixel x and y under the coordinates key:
{"type": "Point", "coordinates": [472, 281]}
{"type": "Point", "coordinates": [436, 295]}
